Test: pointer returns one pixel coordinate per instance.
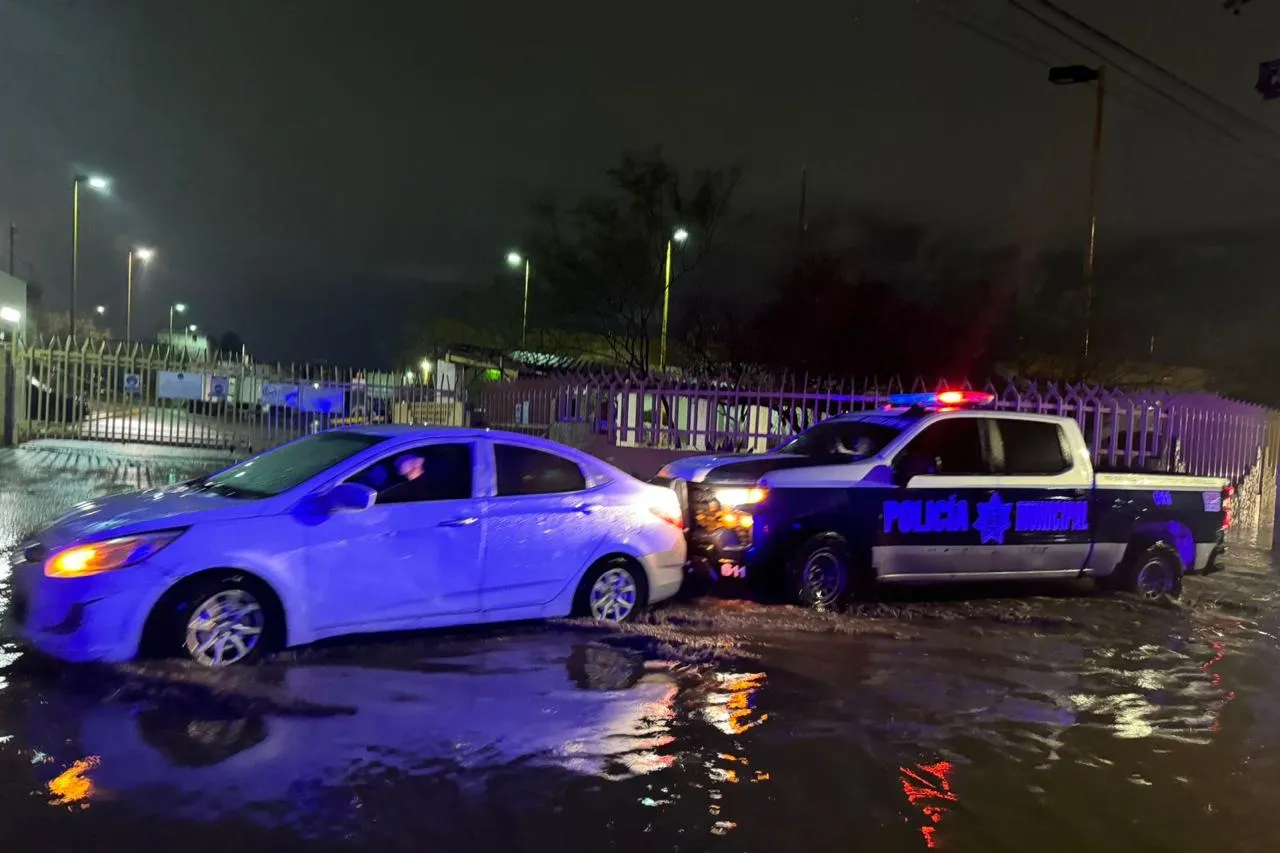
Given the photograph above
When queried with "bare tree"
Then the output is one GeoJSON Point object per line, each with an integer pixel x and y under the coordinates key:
{"type": "Point", "coordinates": [599, 261]}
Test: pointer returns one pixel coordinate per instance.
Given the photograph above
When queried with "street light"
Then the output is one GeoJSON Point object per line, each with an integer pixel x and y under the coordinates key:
{"type": "Point", "coordinates": [678, 236]}
{"type": "Point", "coordinates": [143, 254]}
{"type": "Point", "coordinates": [98, 184]}
{"type": "Point", "coordinates": [514, 260]}
{"type": "Point", "coordinates": [101, 309]}
{"type": "Point", "coordinates": [179, 307]}
{"type": "Point", "coordinates": [192, 328]}
{"type": "Point", "coordinates": [1068, 75]}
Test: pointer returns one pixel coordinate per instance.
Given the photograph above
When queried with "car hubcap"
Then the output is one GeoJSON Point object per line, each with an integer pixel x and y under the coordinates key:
{"type": "Point", "coordinates": [613, 596]}
{"type": "Point", "coordinates": [225, 628]}
{"type": "Point", "coordinates": [822, 577]}
{"type": "Point", "coordinates": [1155, 580]}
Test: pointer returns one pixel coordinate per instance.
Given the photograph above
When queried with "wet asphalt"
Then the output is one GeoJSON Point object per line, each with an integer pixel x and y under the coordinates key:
{"type": "Point", "coordinates": [992, 719]}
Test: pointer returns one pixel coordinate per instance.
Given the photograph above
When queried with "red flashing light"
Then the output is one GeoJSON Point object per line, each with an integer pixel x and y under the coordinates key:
{"type": "Point", "coordinates": [966, 398]}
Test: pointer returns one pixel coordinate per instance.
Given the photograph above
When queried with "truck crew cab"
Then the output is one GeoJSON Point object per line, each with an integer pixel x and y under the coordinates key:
{"type": "Point", "coordinates": [939, 488]}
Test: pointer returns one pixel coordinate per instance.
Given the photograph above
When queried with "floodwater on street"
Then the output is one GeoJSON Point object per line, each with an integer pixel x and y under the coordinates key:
{"type": "Point", "coordinates": [967, 719]}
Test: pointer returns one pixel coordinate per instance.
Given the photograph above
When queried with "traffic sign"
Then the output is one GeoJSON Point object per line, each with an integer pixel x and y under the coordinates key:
{"type": "Point", "coordinates": [132, 383]}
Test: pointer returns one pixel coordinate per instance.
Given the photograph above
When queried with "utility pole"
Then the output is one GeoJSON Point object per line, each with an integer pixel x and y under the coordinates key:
{"type": "Point", "coordinates": [1095, 168]}
{"type": "Point", "coordinates": [1066, 75]}
{"type": "Point", "coordinates": [803, 224]}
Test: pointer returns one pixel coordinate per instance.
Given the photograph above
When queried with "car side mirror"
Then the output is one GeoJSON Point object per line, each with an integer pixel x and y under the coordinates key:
{"type": "Point", "coordinates": [350, 497]}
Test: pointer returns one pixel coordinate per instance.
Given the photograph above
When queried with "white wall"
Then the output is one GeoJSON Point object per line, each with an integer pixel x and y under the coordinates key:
{"type": "Point", "coordinates": [13, 294]}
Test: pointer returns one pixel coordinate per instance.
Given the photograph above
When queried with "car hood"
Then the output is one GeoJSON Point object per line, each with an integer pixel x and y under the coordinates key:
{"type": "Point", "coordinates": [132, 512]}
{"type": "Point", "coordinates": [737, 468]}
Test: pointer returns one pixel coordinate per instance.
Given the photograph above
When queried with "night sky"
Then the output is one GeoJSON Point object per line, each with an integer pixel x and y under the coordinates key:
{"type": "Point", "coordinates": [306, 169]}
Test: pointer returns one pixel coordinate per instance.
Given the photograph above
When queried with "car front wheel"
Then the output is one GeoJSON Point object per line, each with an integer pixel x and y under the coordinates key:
{"type": "Point", "coordinates": [224, 622]}
{"type": "Point", "coordinates": [821, 572]}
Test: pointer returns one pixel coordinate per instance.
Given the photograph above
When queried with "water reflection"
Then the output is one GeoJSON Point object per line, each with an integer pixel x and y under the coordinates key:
{"type": "Point", "coordinates": [286, 744]}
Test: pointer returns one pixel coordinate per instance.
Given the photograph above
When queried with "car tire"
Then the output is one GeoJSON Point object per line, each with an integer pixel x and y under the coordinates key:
{"type": "Point", "coordinates": [231, 620]}
{"type": "Point", "coordinates": [821, 574]}
{"type": "Point", "coordinates": [612, 590]}
{"type": "Point", "coordinates": [1154, 573]}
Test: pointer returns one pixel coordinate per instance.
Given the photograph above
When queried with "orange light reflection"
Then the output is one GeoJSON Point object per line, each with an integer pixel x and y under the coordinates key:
{"type": "Point", "coordinates": [72, 786]}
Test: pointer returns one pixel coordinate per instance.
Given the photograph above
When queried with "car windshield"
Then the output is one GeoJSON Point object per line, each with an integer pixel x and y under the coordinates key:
{"type": "Point", "coordinates": [276, 471]}
{"type": "Point", "coordinates": [843, 438]}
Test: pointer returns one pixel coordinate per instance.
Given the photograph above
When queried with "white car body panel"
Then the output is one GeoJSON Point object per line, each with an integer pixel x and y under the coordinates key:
{"type": "Point", "coordinates": [398, 566]}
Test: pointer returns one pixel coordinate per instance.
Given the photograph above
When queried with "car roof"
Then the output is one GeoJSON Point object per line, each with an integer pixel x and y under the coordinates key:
{"type": "Point", "coordinates": [411, 431]}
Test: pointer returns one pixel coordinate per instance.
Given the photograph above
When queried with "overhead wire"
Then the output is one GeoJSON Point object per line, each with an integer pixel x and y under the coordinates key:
{"type": "Point", "coordinates": [989, 31]}
{"type": "Point", "coordinates": [1179, 103]}
{"type": "Point", "coordinates": [1157, 67]}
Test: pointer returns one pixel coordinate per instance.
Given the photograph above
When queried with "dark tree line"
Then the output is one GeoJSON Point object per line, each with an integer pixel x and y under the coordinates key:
{"type": "Point", "coordinates": [896, 301]}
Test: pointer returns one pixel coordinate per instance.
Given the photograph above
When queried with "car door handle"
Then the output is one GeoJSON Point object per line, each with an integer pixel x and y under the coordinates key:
{"type": "Point", "coordinates": [585, 508]}
{"type": "Point", "coordinates": [459, 522]}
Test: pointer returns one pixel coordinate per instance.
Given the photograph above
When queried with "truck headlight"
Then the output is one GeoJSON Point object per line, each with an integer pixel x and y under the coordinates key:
{"type": "Point", "coordinates": [94, 558]}
{"type": "Point", "coordinates": [740, 496]}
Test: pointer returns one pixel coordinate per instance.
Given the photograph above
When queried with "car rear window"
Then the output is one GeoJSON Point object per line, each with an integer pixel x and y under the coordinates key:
{"type": "Point", "coordinates": [525, 471]}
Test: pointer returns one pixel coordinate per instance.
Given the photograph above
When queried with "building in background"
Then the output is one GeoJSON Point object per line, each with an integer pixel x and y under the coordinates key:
{"type": "Point", "coordinates": [15, 307]}
{"type": "Point", "coordinates": [193, 344]}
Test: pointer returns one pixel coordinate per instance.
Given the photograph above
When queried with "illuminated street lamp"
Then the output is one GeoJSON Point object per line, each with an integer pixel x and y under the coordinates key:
{"type": "Point", "coordinates": [1068, 75]}
{"type": "Point", "coordinates": [101, 310]}
{"type": "Point", "coordinates": [678, 236]}
{"type": "Point", "coordinates": [514, 260]}
{"type": "Point", "coordinates": [98, 184]}
{"type": "Point", "coordinates": [192, 328]}
{"type": "Point", "coordinates": [179, 307]}
{"type": "Point", "coordinates": [143, 254]}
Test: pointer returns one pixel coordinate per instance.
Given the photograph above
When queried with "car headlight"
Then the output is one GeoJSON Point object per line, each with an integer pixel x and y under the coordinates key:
{"type": "Point", "coordinates": [740, 496]}
{"type": "Point", "coordinates": [94, 558]}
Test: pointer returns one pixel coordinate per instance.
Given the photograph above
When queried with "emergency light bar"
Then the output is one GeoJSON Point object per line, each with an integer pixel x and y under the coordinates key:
{"type": "Point", "coordinates": [943, 399]}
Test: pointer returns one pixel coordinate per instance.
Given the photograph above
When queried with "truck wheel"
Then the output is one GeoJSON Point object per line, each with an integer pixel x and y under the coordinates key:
{"type": "Point", "coordinates": [821, 572]}
{"type": "Point", "coordinates": [1153, 573]}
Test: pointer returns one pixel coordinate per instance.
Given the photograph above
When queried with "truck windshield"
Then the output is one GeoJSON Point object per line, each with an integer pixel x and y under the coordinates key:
{"type": "Point", "coordinates": [276, 471]}
{"type": "Point", "coordinates": [843, 438]}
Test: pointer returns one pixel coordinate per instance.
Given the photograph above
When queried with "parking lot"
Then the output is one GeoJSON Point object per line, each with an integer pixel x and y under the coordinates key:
{"type": "Point", "coordinates": [974, 718]}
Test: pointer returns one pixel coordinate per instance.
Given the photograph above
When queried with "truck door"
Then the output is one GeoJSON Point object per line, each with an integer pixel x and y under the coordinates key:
{"type": "Point", "coordinates": [1048, 491]}
{"type": "Point", "coordinates": [938, 521]}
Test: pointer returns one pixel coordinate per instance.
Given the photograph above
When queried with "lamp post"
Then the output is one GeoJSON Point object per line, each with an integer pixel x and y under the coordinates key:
{"type": "Point", "coordinates": [180, 308]}
{"type": "Point", "coordinates": [1067, 75]}
{"type": "Point", "coordinates": [677, 236]}
{"type": "Point", "coordinates": [100, 310]}
{"type": "Point", "coordinates": [100, 185]}
{"type": "Point", "coordinates": [514, 260]}
{"type": "Point", "coordinates": [144, 255]}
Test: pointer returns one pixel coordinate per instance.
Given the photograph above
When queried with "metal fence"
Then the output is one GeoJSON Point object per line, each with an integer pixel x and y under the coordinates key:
{"type": "Point", "coordinates": [1155, 431]}
{"type": "Point", "coordinates": [154, 394]}
{"type": "Point", "coordinates": [158, 395]}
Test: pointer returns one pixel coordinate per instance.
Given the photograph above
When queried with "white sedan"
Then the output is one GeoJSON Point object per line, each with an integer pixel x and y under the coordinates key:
{"type": "Point", "coordinates": [356, 530]}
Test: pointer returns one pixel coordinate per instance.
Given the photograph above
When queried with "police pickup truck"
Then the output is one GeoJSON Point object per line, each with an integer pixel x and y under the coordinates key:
{"type": "Point", "coordinates": [941, 488]}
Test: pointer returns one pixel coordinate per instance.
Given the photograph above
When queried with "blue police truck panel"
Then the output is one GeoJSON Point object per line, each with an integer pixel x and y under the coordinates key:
{"type": "Point", "coordinates": [942, 489]}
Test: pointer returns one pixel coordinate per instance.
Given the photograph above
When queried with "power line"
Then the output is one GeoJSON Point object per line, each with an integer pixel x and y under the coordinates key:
{"type": "Point", "coordinates": [1122, 95]}
{"type": "Point", "coordinates": [1152, 64]}
{"type": "Point", "coordinates": [1144, 83]}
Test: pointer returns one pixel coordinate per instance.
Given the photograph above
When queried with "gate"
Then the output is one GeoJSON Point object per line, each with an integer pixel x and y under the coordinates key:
{"type": "Point", "coordinates": [159, 395]}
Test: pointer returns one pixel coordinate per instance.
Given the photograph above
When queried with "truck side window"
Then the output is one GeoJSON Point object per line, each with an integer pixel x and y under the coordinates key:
{"type": "Point", "coordinates": [951, 447]}
{"type": "Point", "coordinates": [1033, 448]}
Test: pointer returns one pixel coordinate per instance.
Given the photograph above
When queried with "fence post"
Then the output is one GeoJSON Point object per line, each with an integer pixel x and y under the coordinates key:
{"type": "Point", "coordinates": [6, 397]}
